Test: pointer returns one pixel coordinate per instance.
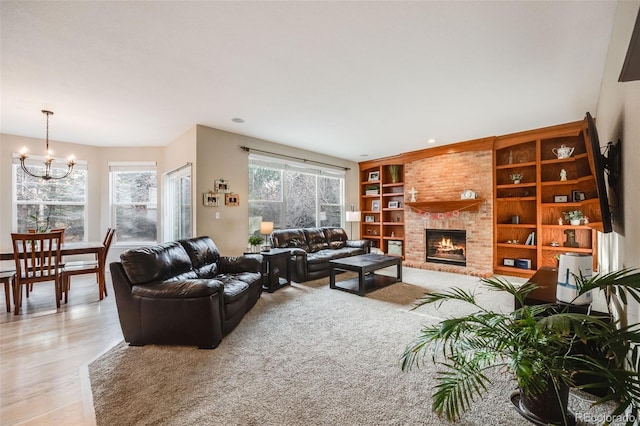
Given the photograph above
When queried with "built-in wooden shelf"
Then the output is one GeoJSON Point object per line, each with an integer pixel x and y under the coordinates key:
{"type": "Point", "coordinates": [447, 206]}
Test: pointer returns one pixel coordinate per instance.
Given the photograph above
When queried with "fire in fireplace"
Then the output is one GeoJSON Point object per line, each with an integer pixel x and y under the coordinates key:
{"type": "Point", "coordinates": [447, 246]}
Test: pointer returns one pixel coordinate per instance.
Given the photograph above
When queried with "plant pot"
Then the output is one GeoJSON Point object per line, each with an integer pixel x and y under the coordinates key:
{"type": "Point", "coordinates": [516, 181]}
{"type": "Point", "coordinates": [575, 222]}
{"type": "Point", "coordinates": [545, 408]}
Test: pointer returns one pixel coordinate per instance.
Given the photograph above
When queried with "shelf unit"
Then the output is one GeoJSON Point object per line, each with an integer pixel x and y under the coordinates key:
{"type": "Point", "coordinates": [382, 219]}
{"type": "Point", "coordinates": [531, 206]}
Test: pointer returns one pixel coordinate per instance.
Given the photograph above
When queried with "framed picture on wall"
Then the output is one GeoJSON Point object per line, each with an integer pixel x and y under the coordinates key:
{"type": "Point", "coordinates": [232, 199]}
{"type": "Point", "coordinates": [210, 199]}
{"type": "Point", "coordinates": [375, 205]}
{"type": "Point", "coordinates": [222, 185]}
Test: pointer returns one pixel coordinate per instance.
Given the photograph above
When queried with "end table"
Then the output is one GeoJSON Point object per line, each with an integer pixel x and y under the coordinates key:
{"type": "Point", "coordinates": [277, 275]}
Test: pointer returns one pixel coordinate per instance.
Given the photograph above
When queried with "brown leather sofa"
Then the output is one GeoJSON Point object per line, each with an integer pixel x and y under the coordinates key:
{"type": "Point", "coordinates": [183, 292]}
{"type": "Point", "coordinates": [313, 248]}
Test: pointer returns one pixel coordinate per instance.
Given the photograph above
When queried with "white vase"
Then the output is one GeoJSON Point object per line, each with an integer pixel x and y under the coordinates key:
{"type": "Point", "coordinates": [575, 222]}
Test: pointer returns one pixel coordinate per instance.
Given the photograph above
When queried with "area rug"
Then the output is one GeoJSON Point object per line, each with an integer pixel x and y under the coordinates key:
{"type": "Point", "coordinates": [304, 355]}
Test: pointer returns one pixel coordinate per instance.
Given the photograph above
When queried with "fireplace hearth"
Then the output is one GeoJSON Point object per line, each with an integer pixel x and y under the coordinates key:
{"type": "Point", "coordinates": [446, 246]}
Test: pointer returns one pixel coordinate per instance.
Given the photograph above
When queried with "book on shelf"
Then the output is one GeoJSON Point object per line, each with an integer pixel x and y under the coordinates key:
{"type": "Point", "coordinates": [523, 263]}
{"type": "Point", "coordinates": [531, 239]}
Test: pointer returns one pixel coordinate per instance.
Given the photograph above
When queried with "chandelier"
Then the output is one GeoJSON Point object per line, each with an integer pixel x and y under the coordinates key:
{"type": "Point", "coordinates": [47, 162]}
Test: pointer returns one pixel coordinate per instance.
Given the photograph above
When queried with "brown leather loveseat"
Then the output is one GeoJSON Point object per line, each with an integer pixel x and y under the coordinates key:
{"type": "Point", "coordinates": [183, 292]}
{"type": "Point", "coordinates": [313, 248]}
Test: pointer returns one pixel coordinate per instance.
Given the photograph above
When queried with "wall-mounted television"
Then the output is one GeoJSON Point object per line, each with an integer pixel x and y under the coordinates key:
{"type": "Point", "coordinates": [607, 168]}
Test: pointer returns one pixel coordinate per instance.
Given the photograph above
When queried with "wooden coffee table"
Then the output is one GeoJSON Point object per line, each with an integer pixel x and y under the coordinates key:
{"type": "Point", "coordinates": [364, 265]}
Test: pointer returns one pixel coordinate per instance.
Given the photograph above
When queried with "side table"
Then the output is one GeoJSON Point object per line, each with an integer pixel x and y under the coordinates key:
{"type": "Point", "coordinates": [277, 265]}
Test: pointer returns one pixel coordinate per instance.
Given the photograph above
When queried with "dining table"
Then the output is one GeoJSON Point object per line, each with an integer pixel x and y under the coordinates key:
{"type": "Point", "coordinates": [76, 248]}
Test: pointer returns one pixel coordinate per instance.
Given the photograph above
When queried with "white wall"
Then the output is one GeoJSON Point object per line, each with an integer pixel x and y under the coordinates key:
{"type": "Point", "coordinates": [618, 117]}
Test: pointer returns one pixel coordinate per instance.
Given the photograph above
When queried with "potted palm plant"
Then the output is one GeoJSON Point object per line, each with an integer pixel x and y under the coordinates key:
{"type": "Point", "coordinates": [549, 348]}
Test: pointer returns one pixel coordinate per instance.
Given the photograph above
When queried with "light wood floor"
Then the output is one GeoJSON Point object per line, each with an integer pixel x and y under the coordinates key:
{"type": "Point", "coordinates": [44, 354]}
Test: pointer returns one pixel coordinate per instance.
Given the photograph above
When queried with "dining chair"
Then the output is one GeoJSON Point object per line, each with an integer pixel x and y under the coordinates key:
{"type": "Point", "coordinates": [6, 277]}
{"type": "Point", "coordinates": [34, 231]}
{"type": "Point", "coordinates": [38, 259]}
{"type": "Point", "coordinates": [87, 267]}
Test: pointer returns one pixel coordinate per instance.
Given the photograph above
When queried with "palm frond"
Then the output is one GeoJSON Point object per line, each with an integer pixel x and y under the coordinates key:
{"type": "Point", "coordinates": [454, 293]}
{"type": "Point", "coordinates": [460, 383]}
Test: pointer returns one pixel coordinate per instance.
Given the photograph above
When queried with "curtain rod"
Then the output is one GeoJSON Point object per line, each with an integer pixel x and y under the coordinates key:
{"type": "Point", "coordinates": [178, 168]}
{"type": "Point", "coordinates": [304, 160]}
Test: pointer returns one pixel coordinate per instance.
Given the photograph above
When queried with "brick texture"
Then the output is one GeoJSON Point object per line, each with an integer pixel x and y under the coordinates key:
{"type": "Point", "coordinates": [443, 178]}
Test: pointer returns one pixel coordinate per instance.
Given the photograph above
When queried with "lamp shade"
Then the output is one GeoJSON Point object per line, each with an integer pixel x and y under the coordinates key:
{"type": "Point", "coordinates": [353, 216]}
{"type": "Point", "coordinates": [266, 227]}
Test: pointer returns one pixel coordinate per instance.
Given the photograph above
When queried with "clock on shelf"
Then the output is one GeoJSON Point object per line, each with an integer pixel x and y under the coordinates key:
{"type": "Point", "coordinates": [468, 194]}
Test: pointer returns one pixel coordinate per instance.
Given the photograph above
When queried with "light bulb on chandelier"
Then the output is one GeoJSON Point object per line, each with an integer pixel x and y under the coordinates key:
{"type": "Point", "coordinates": [48, 161]}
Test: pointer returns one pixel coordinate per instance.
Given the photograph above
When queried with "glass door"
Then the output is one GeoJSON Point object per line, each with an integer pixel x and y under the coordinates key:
{"type": "Point", "coordinates": [178, 212]}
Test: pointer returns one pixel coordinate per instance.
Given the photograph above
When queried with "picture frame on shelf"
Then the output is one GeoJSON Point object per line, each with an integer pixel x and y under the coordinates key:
{"type": "Point", "coordinates": [393, 204]}
{"type": "Point", "coordinates": [561, 198]}
{"type": "Point", "coordinates": [374, 176]}
{"type": "Point", "coordinates": [369, 218]}
{"type": "Point", "coordinates": [578, 196]}
{"type": "Point", "coordinates": [375, 205]}
{"type": "Point", "coordinates": [509, 262]}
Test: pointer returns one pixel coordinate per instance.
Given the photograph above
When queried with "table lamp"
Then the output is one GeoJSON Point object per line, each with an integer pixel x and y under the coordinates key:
{"type": "Point", "coordinates": [353, 216]}
{"type": "Point", "coordinates": [266, 228]}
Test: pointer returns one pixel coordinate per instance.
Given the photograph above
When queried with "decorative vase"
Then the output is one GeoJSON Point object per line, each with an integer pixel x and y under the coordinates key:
{"type": "Point", "coordinates": [516, 181]}
{"type": "Point", "coordinates": [575, 222]}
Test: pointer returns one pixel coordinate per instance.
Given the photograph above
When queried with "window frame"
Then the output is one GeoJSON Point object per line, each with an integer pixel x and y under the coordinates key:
{"type": "Point", "coordinates": [129, 167]}
{"type": "Point", "coordinates": [285, 165]}
{"type": "Point", "coordinates": [58, 164]}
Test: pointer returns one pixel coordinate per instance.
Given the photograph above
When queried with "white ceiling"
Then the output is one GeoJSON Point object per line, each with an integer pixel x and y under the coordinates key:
{"type": "Point", "coordinates": [339, 78]}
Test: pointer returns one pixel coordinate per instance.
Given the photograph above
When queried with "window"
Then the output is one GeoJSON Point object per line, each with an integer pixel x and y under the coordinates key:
{"type": "Point", "coordinates": [177, 204]}
{"type": "Point", "coordinates": [42, 204]}
{"type": "Point", "coordinates": [134, 195]}
{"type": "Point", "coordinates": [293, 195]}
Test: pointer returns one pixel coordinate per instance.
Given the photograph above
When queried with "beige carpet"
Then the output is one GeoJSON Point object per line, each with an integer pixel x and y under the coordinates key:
{"type": "Point", "coordinates": [305, 355]}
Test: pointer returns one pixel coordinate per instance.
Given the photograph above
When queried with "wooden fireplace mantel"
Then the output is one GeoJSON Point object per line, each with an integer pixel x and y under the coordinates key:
{"type": "Point", "coordinates": [447, 206]}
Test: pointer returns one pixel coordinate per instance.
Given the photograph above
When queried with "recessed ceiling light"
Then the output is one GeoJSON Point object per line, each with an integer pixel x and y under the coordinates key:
{"type": "Point", "coordinates": [364, 155]}
{"type": "Point", "coordinates": [432, 140]}
{"type": "Point", "coordinates": [237, 120]}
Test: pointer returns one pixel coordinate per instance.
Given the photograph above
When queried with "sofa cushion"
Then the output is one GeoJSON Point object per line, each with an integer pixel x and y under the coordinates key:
{"type": "Point", "coordinates": [155, 263]}
{"type": "Point", "coordinates": [201, 250]}
{"type": "Point", "coordinates": [289, 238]}
{"type": "Point", "coordinates": [315, 239]}
{"type": "Point", "coordinates": [336, 237]}
{"type": "Point", "coordinates": [233, 287]}
{"type": "Point", "coordinates": [177, 289]}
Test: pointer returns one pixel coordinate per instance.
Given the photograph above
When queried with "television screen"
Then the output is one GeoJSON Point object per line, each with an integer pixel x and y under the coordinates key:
{"type": "Point", "coordinates": [599, 172]}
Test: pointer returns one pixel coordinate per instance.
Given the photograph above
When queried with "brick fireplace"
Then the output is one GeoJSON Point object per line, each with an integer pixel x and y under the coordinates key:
{"type": "Point", "coordinates": [443, 178]}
